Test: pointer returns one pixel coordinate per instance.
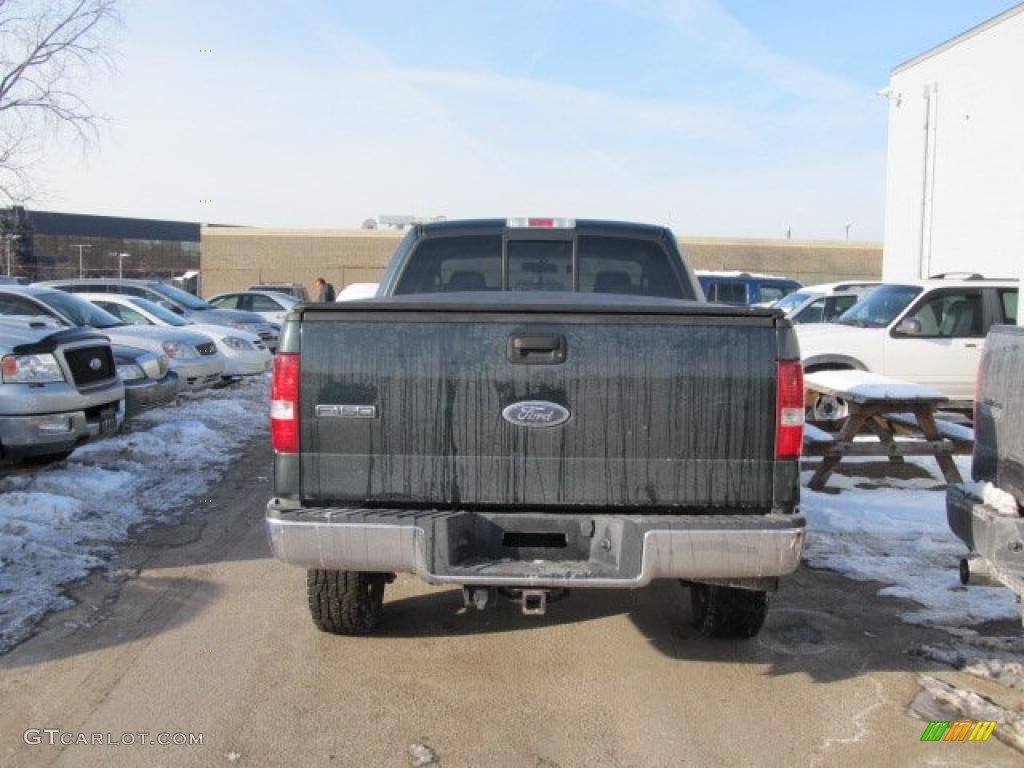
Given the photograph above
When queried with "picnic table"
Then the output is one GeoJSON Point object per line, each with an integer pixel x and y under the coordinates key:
{"type": "Point", "coordinates": [884, 407]}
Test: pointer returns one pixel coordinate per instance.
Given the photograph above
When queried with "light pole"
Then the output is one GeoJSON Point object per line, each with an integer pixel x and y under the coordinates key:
{"type": "Point", "coordinates": [120, 264]}
{"type": "Point", "coordinates": [81, 247]}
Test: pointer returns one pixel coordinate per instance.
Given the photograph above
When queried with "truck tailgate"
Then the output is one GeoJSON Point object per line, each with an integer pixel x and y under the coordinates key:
{"type": "Point", "coordinates": [671, 411]}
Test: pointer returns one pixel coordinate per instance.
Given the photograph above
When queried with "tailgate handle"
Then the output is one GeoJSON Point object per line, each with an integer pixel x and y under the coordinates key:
{"type": "Point", "coordinates": [537, 349]}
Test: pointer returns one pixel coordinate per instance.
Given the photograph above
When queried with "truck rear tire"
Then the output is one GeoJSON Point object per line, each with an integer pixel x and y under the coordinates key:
{"type": "Point", "coordinates": [727, 612]}
{"type": "Point", "coordinates": [345, 602]}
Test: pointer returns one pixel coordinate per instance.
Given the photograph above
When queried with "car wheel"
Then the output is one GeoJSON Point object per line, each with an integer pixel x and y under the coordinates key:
{"type": "Point", "coordinates": [727, 612]}
{"type": "Point", "coordinates": [345, 602]}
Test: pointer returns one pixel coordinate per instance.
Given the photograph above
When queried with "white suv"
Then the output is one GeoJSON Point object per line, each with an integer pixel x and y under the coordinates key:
{"type": "Point", "coordinates": [925, 331]}
{"type": "Point", "coordinates": [822, 303]}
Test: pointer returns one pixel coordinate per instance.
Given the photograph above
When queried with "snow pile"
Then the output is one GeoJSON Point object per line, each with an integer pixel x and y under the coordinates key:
{"type": "Point", "coordinates": [999, 659]}
{"type": "Point", "coordinates": [899, 536]}
{"type": "Point", "coordinates": [995, 497]}
{"type": "Point", "coordinates": [58, 523]}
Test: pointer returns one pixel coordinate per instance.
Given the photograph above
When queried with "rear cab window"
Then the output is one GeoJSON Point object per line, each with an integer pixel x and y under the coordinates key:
{"type": "Point", "coordinates": [585, 263]}
{"type": "Point", "coordinates": [727, 292]}
{"type": "Point", "coordinates": [459, 263]}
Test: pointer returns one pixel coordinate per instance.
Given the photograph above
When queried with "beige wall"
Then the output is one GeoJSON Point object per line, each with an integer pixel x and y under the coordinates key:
{"type": "Point", "coordinates": [809, 261]}
{"type": "Point", "coordinates": [235, 257]}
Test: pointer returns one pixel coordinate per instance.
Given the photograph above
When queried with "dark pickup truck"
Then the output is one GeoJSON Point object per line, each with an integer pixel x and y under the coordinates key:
{"type": "Point", "coordinates": [533, 406]}
{"type": "Point", "coordinates": [988, 515]}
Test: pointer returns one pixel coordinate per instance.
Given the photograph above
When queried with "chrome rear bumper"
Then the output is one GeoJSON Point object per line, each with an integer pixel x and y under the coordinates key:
{"type": "Point", "coordinates": [525, 549]}
{"type": "Point", "coordinates": [995, 536]}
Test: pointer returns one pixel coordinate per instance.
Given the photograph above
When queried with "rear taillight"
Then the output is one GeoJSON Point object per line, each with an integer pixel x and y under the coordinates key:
{"type": "Point", "coordinates": [284, 403]}
{"type": "Point", "coordinates": [789, 425]}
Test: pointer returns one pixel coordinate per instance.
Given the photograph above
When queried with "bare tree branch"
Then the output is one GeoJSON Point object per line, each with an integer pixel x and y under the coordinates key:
{"type": "Point", "coordinates": [47, 49]}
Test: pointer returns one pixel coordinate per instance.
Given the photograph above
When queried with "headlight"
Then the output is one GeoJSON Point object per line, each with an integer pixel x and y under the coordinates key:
{"type": "Point", "coordinates": [178, 351]}
{"type": "Point", "coordinates": [237, 344]}
{"type": "Point", "coordinates": [130, 372]}
{"type": "Point", "coordinates": [31, 369]}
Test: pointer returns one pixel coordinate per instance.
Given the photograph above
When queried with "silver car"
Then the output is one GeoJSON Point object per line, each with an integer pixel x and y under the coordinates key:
{"type": "Point", "coordinates": [148, 380]}
{"type": "Point", "coordinates": [176, 300]}
{"type": "Point", "coordinates": [193, 356]}
{"type": "Point", "coordinates": [58, 388]}
{"type": "Point", "coordinates": [269, 305]}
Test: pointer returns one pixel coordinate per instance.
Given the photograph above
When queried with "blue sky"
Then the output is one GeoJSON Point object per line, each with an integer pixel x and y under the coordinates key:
{"type": "Point", "coordinates": [718, 118]}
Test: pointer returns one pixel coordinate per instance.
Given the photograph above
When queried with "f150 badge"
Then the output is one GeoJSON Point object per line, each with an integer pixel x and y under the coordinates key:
{"type": "Point", "coordinates": [535, 414]}
{"type": "Point", "coordinates": [348, 411]}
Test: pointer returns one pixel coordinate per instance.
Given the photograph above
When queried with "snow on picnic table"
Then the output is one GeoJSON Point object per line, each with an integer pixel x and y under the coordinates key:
{"type": "Point", "coordinates": [871, 386]}
{"type": "Point", "coordinates": [899, 536]}
{"type": "Point", "coordinates": [59, 523]}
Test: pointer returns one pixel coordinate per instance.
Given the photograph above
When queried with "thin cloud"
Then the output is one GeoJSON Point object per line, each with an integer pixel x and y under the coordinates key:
{"type": "Point", "coordinates": [324, 129]}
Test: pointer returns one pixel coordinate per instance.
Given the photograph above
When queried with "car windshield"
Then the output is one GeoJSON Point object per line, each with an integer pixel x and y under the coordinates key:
{"type": "Point", "coordinates": [879, 307]}
{"type": "Point", "coordinates": [178, 296]}
{"type": "Point", "coordinates": [78, 311]}
{"type": "Point", "coordinates": [787, 303]}
{"type": "Point", "coordinates": [162, 314]}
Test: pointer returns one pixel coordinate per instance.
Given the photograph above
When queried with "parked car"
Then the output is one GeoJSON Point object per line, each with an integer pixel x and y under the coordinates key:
{"type": "Point", "coordinates": [745, 288]}
{"type": "Point", "coordinates": [926, 331]}
{"type": "Point", "coordinates": [822, 303]}
{"type": "Point", "coordinates": [148, 379]}
{"type": "Point", "coordinates": [58, 388]}
{"type": "Point", "coordinates": [8, 280]}
{"type": "Point", "coordinates": [244, 353]}
{"type": "Point", "coordinates": [176, 300]}
{"type": "Point", "coordinates": [356, 291]}
{"type": "Point", "coordinates": [193, 356]}
{"type": "Point", "coordinates": [515, 438]}
{"type": "Point", "coordinates": [988, 515]}
{"type": "Point", "coordinates": [295, 290]}
{"type": "Point", "coordinates": [269, 305]}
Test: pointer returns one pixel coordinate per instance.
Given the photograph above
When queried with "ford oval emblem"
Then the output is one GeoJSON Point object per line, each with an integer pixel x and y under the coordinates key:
{"type": "Point", "coordinates": [535, 414]}
{"type": "Point", "coordinates": [95, 363]}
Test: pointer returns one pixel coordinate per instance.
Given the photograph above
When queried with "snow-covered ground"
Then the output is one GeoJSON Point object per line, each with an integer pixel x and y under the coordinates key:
{"type": "Point", "coordinates": [59, 523]}
{"type": "Point", "coordinates": [899, 535]}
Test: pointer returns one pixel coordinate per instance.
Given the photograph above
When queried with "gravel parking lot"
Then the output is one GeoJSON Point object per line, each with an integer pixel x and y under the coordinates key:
{"type": "Point", "coordinates": [191, 627]}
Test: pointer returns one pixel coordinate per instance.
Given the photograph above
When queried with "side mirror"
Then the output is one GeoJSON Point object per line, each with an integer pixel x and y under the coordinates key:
{"type": "Point", "coordinates": [909, 327]}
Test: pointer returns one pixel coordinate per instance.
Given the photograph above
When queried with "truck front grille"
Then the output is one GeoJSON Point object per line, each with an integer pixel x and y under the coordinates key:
{"type": "Point", "coordinates": [90, 365]}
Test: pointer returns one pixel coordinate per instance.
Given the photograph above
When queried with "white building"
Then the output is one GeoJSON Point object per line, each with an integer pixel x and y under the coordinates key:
{"type": "Point", "coordinates": [955, 179]}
